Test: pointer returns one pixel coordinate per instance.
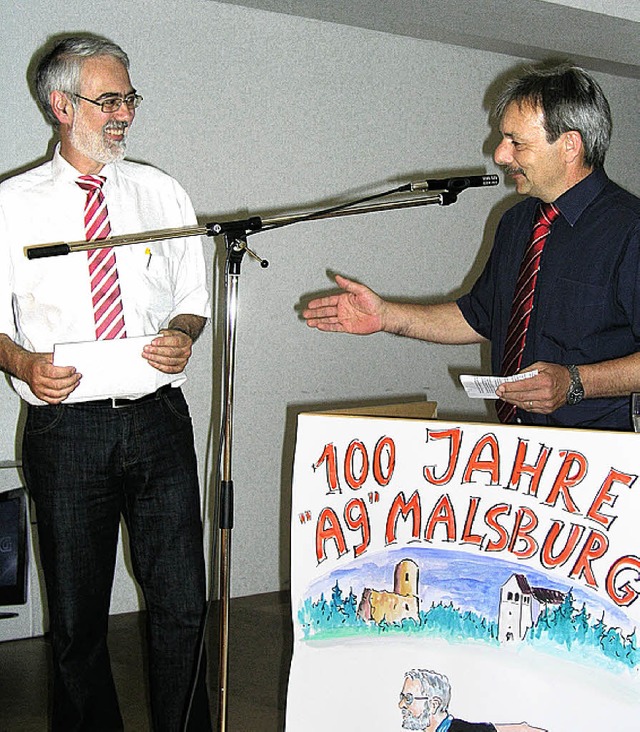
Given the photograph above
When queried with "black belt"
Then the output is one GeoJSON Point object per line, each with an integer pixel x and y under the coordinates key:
{"type": "Point", "coordinates": [117, 402]}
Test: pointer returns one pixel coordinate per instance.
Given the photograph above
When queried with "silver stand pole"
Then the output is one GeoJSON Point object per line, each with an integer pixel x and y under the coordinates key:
{"type": "Point", "coordinates": [225, 495]}
{"type": "Point", "coordinates": [235, 240]}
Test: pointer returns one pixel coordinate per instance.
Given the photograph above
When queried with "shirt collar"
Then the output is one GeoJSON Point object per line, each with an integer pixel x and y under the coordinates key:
{"type": "Point", "coordinates": [63, 171]}
{"type": "Point", "coordinates": [572, 203]}
{"type": "Point", "coordinates": [445, 724]}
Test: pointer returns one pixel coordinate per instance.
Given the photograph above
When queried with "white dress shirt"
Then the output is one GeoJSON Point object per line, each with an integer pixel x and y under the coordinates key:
{"type": "Point", "coordinates": [47, 301]}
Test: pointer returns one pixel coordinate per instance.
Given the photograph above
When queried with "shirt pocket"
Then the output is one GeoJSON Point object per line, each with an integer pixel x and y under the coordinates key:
{"type": "Point", "coordinates": [574, 322]}
{"type": "Point", "coordinates": [148, 289]}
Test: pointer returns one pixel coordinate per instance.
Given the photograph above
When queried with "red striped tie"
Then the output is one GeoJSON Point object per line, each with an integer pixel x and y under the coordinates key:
{"type": "Point", "coordinates": [523, 301]}
{"type": "Point", "coordinates": [105, 289]}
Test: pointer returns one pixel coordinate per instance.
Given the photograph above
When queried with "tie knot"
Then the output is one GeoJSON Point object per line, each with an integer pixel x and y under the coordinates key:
{"type": "Point", "coordinates": [547, 213]}
{"type": "Point", "coordinates": [91, 182]}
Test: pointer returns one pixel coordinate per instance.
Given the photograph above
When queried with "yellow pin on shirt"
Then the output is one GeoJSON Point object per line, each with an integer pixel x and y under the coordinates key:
{"type": "Point", "coordinates": [147, 251]}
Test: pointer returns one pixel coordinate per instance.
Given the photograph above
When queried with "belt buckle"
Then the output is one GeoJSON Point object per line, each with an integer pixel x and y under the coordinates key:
{"type": "Point", "coordinates": [123, 402]}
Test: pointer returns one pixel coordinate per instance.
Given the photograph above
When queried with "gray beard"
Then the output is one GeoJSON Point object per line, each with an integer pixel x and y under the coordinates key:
{"type": "Point", "coordinates": [416, 723]}
{"type": "Point", "coordinates": [95, 146]}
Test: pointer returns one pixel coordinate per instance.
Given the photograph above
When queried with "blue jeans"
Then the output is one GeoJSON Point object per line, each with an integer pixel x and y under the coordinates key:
{"type": "Point", "coordinates": [86, 465]}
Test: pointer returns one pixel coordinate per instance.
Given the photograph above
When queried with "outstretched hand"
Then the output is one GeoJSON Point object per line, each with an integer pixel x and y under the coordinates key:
{"type": "Point", "coordinates": [357, 310]}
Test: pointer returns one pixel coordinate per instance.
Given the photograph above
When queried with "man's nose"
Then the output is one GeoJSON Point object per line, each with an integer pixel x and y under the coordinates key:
{"type": "Point", "coordinates": [124, 114]}
{"type": "Point", "coordinates": [502, 154]}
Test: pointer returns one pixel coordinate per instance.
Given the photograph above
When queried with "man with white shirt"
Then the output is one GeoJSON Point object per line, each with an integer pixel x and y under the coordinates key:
{"type": "Point", "coordinates": [90, 460]}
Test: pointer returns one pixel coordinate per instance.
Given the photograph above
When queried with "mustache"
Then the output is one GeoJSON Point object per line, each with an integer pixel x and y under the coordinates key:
{"type": "Point", "coordinates": [509, 170]}
{"type": "Point", "coordinates": [115, 125]}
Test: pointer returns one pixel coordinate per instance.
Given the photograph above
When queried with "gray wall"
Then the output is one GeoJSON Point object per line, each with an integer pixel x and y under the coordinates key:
{"type": "Point", "coordinates": [256, 112]}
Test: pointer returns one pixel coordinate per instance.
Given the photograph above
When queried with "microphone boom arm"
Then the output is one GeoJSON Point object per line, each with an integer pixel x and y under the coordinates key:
{"type": "Point", "coordinates": [254, 225]}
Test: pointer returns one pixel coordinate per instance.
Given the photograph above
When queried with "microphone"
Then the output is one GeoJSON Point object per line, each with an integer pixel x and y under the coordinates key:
{"type": "Point", "coordinates": [454, 184]}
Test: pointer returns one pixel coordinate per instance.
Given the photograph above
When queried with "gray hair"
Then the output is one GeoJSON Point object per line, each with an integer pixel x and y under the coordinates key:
{"type": "Point", "coordinates": [59, 69]}
{"type": "Point", "coordinates": [433, 685]}
{"type": "Point", "coordinates": [570, 99]}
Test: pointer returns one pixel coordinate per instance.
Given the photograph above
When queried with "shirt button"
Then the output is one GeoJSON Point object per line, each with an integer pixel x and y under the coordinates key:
{"type": "Point", "coordinates": [519, 420]}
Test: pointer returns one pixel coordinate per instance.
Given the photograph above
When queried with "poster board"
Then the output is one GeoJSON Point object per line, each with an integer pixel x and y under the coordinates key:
{"type": "Point", "coordinates": [505, 558]}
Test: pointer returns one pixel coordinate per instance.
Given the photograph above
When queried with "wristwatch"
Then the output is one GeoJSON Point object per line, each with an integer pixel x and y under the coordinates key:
{"type": "Point", "coordinates": [575, 392]}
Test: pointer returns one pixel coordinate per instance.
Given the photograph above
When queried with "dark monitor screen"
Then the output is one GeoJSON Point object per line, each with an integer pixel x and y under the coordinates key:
{"type": "Point", "coordinates": [13, 547]}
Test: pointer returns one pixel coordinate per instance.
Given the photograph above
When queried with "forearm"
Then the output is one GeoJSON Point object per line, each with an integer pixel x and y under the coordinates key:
{"type": "Point", "coordinates": [618, 377]}
{"type": "Point", "coordinates": [14, 359]}
{"type": "Point", "coordinates": [547, 391]}
{"type": "Point", "coordinates": [440, 323]}
{"type": "Point", "coordinates": [190, 325]}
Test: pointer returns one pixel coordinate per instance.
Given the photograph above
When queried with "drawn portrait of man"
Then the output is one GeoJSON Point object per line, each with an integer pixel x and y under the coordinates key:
{"type": "Point", "coordinates": [424, 704]}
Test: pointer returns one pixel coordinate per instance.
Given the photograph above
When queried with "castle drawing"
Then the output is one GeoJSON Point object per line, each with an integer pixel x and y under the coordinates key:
{"type": "Point", "coordinates": [394, 607]}
{"type": "Point", "coordinates": [521, 605]}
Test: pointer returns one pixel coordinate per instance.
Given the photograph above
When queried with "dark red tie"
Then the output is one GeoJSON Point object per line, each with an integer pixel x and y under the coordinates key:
{"type": "Point", "coordinates": [105, 289]}
{"type": "Point", "coordinates": [523, 301]}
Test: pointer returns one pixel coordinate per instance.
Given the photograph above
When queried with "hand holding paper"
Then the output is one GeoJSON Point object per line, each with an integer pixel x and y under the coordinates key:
{"type": "Point", "coordinates": [484, 387]}
{"type": "Point", "coordinates": [112, 368]}
{"type": "Point", "coordinates": [48, 382]}
{"type": "Point", "coordinates": [169, 352]}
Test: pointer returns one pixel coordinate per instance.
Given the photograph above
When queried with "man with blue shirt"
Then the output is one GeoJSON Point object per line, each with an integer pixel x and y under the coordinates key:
{"type": "Point", "coordinates": [581, 327]}
{"type": "Point", "coordinates": [424, 704]}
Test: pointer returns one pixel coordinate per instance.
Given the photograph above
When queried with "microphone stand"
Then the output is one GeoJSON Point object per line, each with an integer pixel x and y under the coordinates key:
{"type": "Point", "coordinates": [254, 225]}
{"type": "Point", "coordinates": [235, 235]}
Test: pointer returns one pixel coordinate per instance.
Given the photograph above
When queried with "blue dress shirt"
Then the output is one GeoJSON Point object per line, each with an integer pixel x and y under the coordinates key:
{"type": "Point", "coordinates": [587, 300]}
{"type": "Point", "coordinates": [450, 724]}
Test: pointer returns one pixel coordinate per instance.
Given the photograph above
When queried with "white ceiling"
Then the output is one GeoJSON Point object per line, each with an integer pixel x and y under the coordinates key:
{"type": "Point", "coordinates": [629, 9]}
{"type": "Point", "coordinates": [603, 35]}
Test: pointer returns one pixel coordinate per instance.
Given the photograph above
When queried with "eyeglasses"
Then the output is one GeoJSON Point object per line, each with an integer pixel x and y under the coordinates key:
{"type": "Point", "coordinates": [113, 104]}
{"type": "Point", "coordinates": [410, 698]}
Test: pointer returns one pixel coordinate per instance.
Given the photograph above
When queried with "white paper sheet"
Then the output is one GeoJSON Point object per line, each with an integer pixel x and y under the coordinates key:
{"type": "Point", "coordinates": [484, 387]}
{"type": "Point", "coordinates": [112, 368]}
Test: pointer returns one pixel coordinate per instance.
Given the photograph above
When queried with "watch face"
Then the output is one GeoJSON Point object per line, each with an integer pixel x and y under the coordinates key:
{"type": "Point", "coordinates": [576, 390]}
{"type": "Point", "coordinates": [574, 396]}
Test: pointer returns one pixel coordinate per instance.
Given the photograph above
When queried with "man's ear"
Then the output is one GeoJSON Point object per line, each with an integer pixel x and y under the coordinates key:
{"type": "Point", "coordinates": [61, 107]}
{"type": "Point", "coordinates": [573, 146]}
